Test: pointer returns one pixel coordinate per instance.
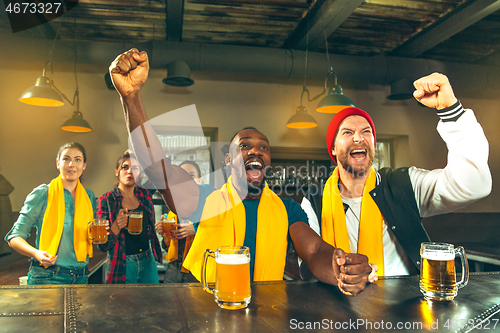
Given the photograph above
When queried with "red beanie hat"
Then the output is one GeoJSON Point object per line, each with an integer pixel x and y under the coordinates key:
{"type": "Point", "coordinates": [333, 128]}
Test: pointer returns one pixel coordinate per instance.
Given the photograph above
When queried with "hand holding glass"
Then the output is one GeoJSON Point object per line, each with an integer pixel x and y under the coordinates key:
{"type": "Point", "coordinates": [168, 227]}
{"type": "Point", "coordinates": [135, 222]}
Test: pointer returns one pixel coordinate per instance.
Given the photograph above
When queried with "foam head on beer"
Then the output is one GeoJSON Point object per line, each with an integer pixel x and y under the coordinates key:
{"type": "Point", "coordinates": [232, 259]}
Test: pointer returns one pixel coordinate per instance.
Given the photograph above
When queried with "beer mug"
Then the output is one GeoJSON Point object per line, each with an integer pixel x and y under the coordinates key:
{"type": "Point", "coordinates": [437, 271]}
{"type": "Point", "coordinates": [232, 276]}
{"type": "Point", "coordinates": [97, 231]}
{"type": "Point", "coordinates": [168, 226]}
{"type": "Point", "coordinates": [135, 222]}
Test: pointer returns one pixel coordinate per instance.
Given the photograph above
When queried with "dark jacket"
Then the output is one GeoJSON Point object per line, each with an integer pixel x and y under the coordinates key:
{"type": "Point", "coordinates": [395, 198]}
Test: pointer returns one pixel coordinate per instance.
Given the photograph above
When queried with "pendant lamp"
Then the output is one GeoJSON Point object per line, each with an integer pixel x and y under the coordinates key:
{"type": "Point", "coordinates": [335, 101]}
{"type": "Point", "coordinates": [178, 74]}
{"type": "Point", "coordinates": [401, 89]}
{"type": "Point", "coordinates": [42, 93]}
{"type": "Point", "coordinates": [301, 119]}
{"type": "Point", "coordinates": [76, 123]}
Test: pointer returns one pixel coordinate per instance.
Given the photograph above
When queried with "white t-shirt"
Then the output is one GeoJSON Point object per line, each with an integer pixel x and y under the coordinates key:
{"type": "Point", "coordinates": [396, 261]}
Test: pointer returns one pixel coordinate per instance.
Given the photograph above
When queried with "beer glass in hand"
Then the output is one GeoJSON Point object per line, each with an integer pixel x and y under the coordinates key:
{"type": "Point", "coordinates": [168, 227]}
{"type": "Point", "coordinates": [97, 231]}
{"type": "Point", "coordinates": [135, 222]}
{"type": "Point", "coordinates": [232, 276]}
{"type": "Point", "coordinates": [437, 271]}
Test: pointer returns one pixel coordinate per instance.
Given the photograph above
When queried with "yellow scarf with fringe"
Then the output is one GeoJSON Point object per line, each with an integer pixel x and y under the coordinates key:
{"type": "Point", "coordinates": [53, 221]}
{"type": "Point", "coordinates": [223, 222]}
{"type": "Point", "coordinates": [173, 249]}
{"type": "Point", "coordinates": [333, 221]}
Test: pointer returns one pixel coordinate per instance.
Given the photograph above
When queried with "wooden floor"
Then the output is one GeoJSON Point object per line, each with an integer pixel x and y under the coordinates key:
{"type": "Point", "coordinates": [9, 275]}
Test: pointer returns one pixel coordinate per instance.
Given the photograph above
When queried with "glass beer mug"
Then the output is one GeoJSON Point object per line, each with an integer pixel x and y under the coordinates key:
{"type": "Point", "coordinates": [97, 231]}
{"type": "Point", "coordinates": [437, 271]}
{"type": "Point", "coordinates": [232, 276]}
{"type": "Point", "coordinates": [135, 222]}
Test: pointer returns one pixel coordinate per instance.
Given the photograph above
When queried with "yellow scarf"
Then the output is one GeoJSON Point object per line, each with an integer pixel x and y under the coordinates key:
{"type": "Point", "coordinates": [333, 222]}
{"type": "Point", "coordinates": [53, 220]}
{"type": "Point", "coordinates": [223, 222]}
{"type": "Point", "coordinates": [173, 250]}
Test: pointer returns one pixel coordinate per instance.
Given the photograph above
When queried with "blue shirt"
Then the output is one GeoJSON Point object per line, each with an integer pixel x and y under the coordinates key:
{"type": "Point", "coordinates": [295, 214]}
{"type": "Point", "coordinates": [293, 209]}
{"type": "Point", "coordinates": [31, 215]}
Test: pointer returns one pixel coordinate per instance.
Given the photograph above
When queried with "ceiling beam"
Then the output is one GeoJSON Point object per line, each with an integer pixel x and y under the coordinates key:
{"type": "Point", "coordinates": [465, 16]}
{"type": "Point", "coordinates": [175, 15]}
{"type": "Point", "coordinates": [327, 16]}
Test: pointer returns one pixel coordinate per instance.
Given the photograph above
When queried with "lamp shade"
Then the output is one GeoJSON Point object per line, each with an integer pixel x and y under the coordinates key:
{"type": "Point", "coordinates": [76, 124]}
{"type": "Point", "coordinates": [335, 101]}
{"type": "Point", "coordinates": [42, 94]}
{"type": "Point", "coordinates": [301, 119]}
{"type": "Point", "coordinates": [401, 89]}
{"type": "Point", "coordinates": [178, 74]}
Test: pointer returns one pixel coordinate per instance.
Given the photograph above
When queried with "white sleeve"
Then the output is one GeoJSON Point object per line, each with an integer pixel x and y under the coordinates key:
{"type": "Point", "coordinates": [466, 177]}
{"type": "Point", "coordinates": [311, 215]}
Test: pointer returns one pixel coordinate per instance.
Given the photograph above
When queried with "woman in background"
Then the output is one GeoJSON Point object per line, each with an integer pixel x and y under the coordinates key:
{"type": "Point", "coordinates": [182, 238]}
{"type": "Point", "coordinates": [60, 212]}
{"type": "Point", "coordinates": [131, 258]}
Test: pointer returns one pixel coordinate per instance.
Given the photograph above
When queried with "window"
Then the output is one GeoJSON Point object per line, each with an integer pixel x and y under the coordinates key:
{"type": "Point", "coordinates": [383, 154]}
{"type": "Point", "coordinates": [180, 147]}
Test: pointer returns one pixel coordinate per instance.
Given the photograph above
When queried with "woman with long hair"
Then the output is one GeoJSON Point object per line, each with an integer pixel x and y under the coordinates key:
{"type": "Point", "coordinates": [131, 257]}
{"type": "Point", "coordinates": [60, 212]}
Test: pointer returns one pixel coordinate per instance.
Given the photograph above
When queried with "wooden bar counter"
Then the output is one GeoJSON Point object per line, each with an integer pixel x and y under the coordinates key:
{"type": "Point", "coordinates": [389, 305]}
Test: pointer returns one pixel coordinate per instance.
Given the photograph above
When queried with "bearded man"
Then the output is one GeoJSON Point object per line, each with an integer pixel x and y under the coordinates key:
{"type": "Point", "coordinates": [378, 213]}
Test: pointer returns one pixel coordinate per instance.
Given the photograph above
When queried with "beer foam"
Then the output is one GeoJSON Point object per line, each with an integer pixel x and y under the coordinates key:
{"type": "Point", "coordinates": [233, 259]}
{"type": "Point", "coordinates": [444, 256]}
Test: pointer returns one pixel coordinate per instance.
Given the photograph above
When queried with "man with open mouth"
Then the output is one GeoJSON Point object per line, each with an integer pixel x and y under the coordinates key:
{"type": "Point", "coordinates": [244, 211]}
{"type": "Point", "coordinates": [378, 213]}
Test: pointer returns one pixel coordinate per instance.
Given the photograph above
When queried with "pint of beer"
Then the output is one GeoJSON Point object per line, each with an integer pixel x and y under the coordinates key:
{"type": "Point", "coordinates": [135, 222]}
{"type": "Point", "coordinates": [97, 231]}
{"type": "Point", "coordinates": [168, 227]}
{"type": "Point", "coordinates": [437, 271]}
{"type": "Point", "coordinates": [232, 281]}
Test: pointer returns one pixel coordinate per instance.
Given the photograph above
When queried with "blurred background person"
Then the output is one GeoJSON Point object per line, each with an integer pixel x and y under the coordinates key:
{"type": "Point", "coordinates": [178, 246]}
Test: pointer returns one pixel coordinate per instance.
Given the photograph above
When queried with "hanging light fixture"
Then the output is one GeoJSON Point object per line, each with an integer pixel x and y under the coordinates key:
{"type": "Point", "coordinates": [302, 119]}
{"type": "Point", "coordinates": [45, 93]}
{"type": "Point", "coordinates": [401, 89]}
{"type": "Point", "coordinates": [178, 74]}
{"type": "Point", "coordinates": [76, 123]}
{"type": "Point", "coordinates": [42, 93]}
{"type": "Point", "coordinates": [335, 101]}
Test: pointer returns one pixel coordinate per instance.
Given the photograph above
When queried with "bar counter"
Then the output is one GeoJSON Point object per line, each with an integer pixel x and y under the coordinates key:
{"type": "Point", "coordinates": [389, 305]}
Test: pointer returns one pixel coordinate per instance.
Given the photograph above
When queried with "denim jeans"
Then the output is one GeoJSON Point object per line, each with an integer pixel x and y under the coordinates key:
{"type": "Point", "coordinates": [39, 275]}
{"type": "Point", "coordinates": [141, 268]}
{"type": "Point", "coordinates": [173, 273]}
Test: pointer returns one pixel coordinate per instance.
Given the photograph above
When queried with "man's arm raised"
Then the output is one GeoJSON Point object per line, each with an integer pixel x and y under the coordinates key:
{"type": "Point", "coordinates": [129, 72]}
{"type": "Point", "coordinates": [349, 272]}
{"type": "Point", "coordinates": [434, 91]}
